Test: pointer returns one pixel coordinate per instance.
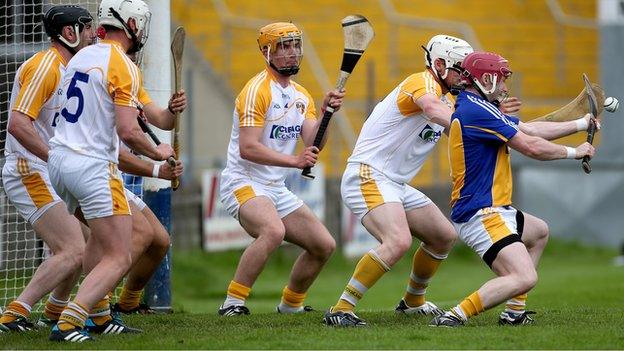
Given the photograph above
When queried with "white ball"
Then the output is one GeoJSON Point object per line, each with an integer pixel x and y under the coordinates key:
{"type": "Point", "coordinates": [611, 104]}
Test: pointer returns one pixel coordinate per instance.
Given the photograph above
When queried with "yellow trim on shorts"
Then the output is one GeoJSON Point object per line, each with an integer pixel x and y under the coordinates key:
{"type": "Point", "coordinates": [37, 189]}
{"type": "Point", "coordinates": [495, 226]}
{"type": "Point", "coordinates": [244, 194]}
{"type": "Point", "coordinates": [370, 191]}
{"type": "Point", "coordinates": [118, 192]}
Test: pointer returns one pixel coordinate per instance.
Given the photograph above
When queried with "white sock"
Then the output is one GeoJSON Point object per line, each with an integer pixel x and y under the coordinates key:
{"type": "Point", "coordinates": [458, 312]}
{"type": "Point", "coordinates": [284, 308]}
{"type": "Point", "coordinates": [232, 301]}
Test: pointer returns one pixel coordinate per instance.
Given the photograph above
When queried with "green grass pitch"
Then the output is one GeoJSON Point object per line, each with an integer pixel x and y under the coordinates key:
{"type": "Point", "coordinates": [578, 301]}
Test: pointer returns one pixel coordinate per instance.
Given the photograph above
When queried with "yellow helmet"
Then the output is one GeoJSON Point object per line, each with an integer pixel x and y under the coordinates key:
{"type": "Point", "coordinates": [279, 34]}
{"type": "Point", "coordinates": [278, 31]}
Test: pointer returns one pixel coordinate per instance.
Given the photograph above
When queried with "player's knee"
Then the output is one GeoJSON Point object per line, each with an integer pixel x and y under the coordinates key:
{"type": "Point", "coordinates": [272, 234]}
{"type": "Point", "coordinates": [72, 258]}
{"type": "Point", "coordinates": [324, 247]}
{"type": "Point", "coordinates": [527, 280]}
{"type": "Point", "coordinates": [161, 238]}
{"type": "Point", "coordinates": [443, 242]}
{"type": "Point", "coordinates": [400, 244]}
{"type": "Point", "coordinates": [543, 231]}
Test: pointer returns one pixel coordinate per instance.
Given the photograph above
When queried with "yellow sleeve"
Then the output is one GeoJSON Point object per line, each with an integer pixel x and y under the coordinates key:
{"type": "Point", "coordinates": [124, 79]}
{"type": "Point", "coordinates": [38, 79]}
{"type": "Point", "coordinates": [144, 98]}
{"type": "Point", "coordinates": [253, 101]}
{"type": "Point", "coordinates": [310, 112]}
{"type": "Point", "coordinates": [413, 88]}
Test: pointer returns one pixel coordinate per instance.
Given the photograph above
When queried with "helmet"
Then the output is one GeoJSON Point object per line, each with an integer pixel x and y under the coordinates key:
{"type": "Point", "coordinates": [274, 34]}
{"type": "Point", "coordinates": [116, 13]}
{"type": "Point", "coordinates": [452, 50]}
{"type": "Point", "coordinates": [60, 16]}
{"type": "Point", "coordinates": [477, 64]}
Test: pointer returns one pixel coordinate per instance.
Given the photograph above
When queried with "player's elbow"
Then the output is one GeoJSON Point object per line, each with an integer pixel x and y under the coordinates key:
{"type": "Point", "coordinates": [128, 135]}
{"type": "Point", "coordinates": [17, 125]}
{"type": "Point", "coordinates": [246, 152]}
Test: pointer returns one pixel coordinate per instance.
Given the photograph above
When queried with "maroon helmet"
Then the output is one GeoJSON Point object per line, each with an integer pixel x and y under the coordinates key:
{"type": "Point", "coordinates": [477, 64]}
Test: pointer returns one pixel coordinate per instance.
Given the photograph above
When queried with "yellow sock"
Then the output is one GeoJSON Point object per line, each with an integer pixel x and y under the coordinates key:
{"type": "Point", "coordinates": [54, 307]}
{"type": "Point", "coordinates": [293, 299]}
{"type": "Point", "coordinates": [73, 316]}
{"type": "Point", "coordinates": [471, 306]}
{"type": "Point", "coordinates": [14, 310]}
{"type": "Point", "coordinates": [100, 313]}
{"type": "Point", "coordinates": [129, 299]}
{"type": "Point", "coordinates": [368, 270]}
{"type": "Point", "coordinates": [516, 304]}
{"type": "Point", "coordinates": [424, 266]}
{"type": "Point", "coordinates": [238, 291]}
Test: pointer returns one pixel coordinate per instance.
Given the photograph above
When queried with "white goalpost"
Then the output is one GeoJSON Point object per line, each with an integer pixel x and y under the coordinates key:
{"type": "Point", "coordinates": [22, 35]}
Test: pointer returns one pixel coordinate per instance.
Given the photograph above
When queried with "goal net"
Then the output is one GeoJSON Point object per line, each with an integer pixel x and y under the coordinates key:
{"type": "Point", "coordinates": [21, 35]}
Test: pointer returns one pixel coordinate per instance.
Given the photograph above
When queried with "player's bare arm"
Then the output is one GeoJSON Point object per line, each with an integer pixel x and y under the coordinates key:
{"type": "Point", "coordinates": [555, 130]}
{"type": "Point", "coordinates": [436, 110]}
{"type": "Point", "coordinates": [130, 163]}
{"type": "Point", "coordinates": [544, 150]}
{"type": "Point", "coordinates": [334, 99]}
{"type": "Point", "coordinates": [21, 127]}
{"type": "Point", "coordinates": [251, 149]}
{"type": "Point", "coordinates": [164, 118]}
{"type": "Point", "coordinates": [132, 135]}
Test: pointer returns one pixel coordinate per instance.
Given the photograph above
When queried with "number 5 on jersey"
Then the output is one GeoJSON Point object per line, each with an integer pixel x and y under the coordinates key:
{"type": "Point", "coordinates": [73, 91]}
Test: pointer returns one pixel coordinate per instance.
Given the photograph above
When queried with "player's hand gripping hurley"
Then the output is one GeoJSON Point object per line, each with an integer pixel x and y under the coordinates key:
{"type": "Point", "coordinates": [177, 50]}
{"type": "Point", "coordinates": [358, 33]}
{"type": "Point", "coordinates": [593, 109]}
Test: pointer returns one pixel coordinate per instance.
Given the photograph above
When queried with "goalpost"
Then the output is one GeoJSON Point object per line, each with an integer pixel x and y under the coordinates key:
{"type": "Point", "coordinates": [21, 36]}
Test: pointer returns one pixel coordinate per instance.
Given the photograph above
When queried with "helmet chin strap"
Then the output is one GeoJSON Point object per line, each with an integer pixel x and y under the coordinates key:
{"type": "Point", "coordinates": [71, 47]}
{"type": "Point", "coordinates": [136, 44]}
{"type": "Point", "coordinates": [486, 93]}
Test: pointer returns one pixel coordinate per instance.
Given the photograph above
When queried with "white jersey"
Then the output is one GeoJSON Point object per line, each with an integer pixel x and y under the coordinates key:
{"type": "Point", "coordinates": [98, 77]}
{"type": "Point", "coordinates": [397, 137]}
{"type": "Point", "coordinates": [37, 94]}
{"type": "Point", "coordinates": [280, 112]}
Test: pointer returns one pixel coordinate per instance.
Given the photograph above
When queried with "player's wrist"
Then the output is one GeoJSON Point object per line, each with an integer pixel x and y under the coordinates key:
{"type": "Point", "coordinates": [570, 152]}
{"type": "Point", "coordinates": [156, 170]}
{"type": "Point", "coordinates": [581, 124]}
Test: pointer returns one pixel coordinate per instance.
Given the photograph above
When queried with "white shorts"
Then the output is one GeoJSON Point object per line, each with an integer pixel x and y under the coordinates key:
{"type": "Point", "coordinates": [490, 230]}
{"type": "Point", "coordinates": [135, 199]}
{"type": "Point", "coordinates": [92, 184]}
{"type": "Point", "coordinates": [28, 187]}
{"type": "Point", "coordinates": [364, 188]}
{"type": "Point", "coordinates": [235, 192]}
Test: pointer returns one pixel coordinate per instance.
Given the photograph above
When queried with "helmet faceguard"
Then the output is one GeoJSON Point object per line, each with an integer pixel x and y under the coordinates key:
{"type": "Point", "coordinates": [117, 13]}
{"type": "Point", "coordinates": [58, 17]}
{"type": "Point", "coordinates": [478, 65]}
{"type": "Point", "coordinates": [282, 41]}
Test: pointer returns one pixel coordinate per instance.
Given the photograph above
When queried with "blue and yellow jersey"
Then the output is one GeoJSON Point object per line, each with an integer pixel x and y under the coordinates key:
{"type": "Point", "coordinates": [479, 156]}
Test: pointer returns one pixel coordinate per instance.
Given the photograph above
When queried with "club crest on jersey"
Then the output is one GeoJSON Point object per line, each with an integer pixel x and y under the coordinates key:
{"type": "Point", "coordinates": [429, 135]}
{"type": "Point", "coordinates": [300, 107]}
{"type": "Point", "coordinates": [285, 132]}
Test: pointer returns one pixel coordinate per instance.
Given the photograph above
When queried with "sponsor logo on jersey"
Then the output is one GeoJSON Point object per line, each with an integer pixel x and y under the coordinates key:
{"type": "Point", "coordinates": [429, 135]}
{"type": "Point", "coordinates": [285, 132]}
{"type": "Point", "coordinates": [276, 106]}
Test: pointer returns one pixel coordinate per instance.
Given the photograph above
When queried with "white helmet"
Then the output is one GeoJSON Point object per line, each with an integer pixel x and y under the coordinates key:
{"type": "Point", "coordinates": [452, 50]}
{"type": "Point", "coordinates": [116, 13]}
